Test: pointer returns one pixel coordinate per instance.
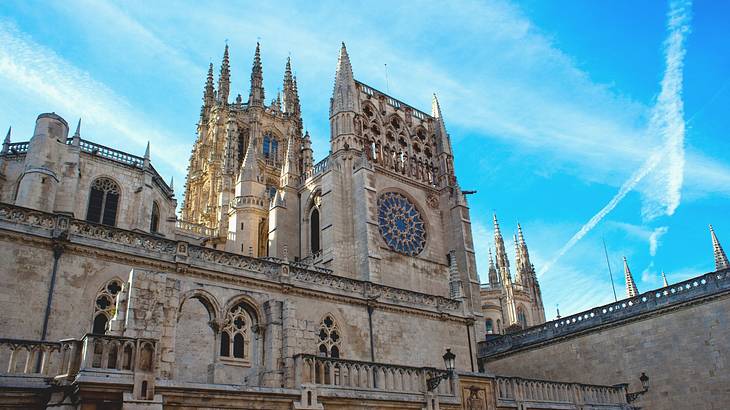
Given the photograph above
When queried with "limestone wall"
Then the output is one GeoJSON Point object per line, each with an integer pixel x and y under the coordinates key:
{"type": "Point", "coordinates": [683, 351]}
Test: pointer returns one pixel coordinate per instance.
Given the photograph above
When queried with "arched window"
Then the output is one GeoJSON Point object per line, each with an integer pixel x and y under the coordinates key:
{"type": "Point", "coordinates": [521, 317]}
{"type": "Point", "coordinates": [329, 338]}
{"type": "Point", "coordinates": [236, 334]}
{"type": "Point", "coordinates": [271, 147]}
{"type": "Point", "coordinates": [105, 306]}
{"type": "Point", "coordinates": [103, 202]}
{"type": "Point", "coordinates": [314, 231]}
{"type": "Point", "coordinates": [155, 219]}
{"type": "Point", "coordinates": [499, 327]}
{"type": "Point", "coordinates": [490, 327]}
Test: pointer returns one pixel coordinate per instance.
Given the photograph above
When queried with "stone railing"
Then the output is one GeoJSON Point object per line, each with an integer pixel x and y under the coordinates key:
{"type": "Point", "coordinates": [198, 229]}
{"type": "Point", "coordinates": [706, 285]}
{"type": "Point", "coordinates": [357, 375]}
{"type": "Point", "coordinates": [33, 358]}
{"type": "Point", "coordinates": [18, 148]}
{"type": "Point", "coordinates": [117, 354]}
{"type": "Point", "coordinates": [66, 358]}
{"type": "Point", "coordinates": [521, 393]}
{"type": "Point", "coordinates": [317, 169]}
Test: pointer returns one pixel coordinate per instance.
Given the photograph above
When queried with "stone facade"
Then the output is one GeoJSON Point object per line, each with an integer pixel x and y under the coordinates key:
{"type": "Point", "coordinates": [286, 284]}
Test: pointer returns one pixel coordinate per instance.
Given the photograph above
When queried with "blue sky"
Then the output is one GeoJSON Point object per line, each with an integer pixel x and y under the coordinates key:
{"type": "Point", "coordinates": [552, 106]}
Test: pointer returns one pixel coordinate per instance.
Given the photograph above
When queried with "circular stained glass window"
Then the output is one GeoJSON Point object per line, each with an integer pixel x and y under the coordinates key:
{"type": "Point", "coordinates": [401, 224]}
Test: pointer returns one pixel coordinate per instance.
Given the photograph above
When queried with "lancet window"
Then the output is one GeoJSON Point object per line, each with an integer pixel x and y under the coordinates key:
{"type": "Point", "coordinates": [236, 334]}
{"type": "Point", "coordinates": [329, 338]}
{"type": "Point", "coordinates": [490, 327]}
{"type": "Point", "coordinates": [270, 147]}
{"type": "Point", "coordinates": [155, 218]}
{"type": "Point", "coordinates": [103, 202]}
{"type": "Point", "coordinates": [105, 305]}
{"type": "Point", "coordinates": [521, 317]}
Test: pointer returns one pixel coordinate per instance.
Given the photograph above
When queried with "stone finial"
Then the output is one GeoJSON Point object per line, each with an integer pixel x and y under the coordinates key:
{"type": "Point", "coordinates": [6, 141]}
{"type": "Point", "coordinates": [172, 183]}
{"type": "Point", "coordinates": [77, 135]}
{"type": "Point", "coordinates": [147, 156]}
{"type": "Point", "coordinates": [664, 279]}
{"type": "Point", "coordinates": [631, 289]}
{"type": "Point", "coordinates": [721, 261]}
{"type": "Point", "coordinates": [209, 91]}
{"type": "Point", "coordinates": [493, 276]}
{"type": "Point", "coordinates": [256, 96]}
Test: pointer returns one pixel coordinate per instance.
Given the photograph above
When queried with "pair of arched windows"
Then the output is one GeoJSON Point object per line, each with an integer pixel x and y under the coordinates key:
{"type": "Point", "coordinates": [236, 334]}
{"type": "Point", "coordinates": [104, 204]}
{"type": "Point", "coordinates": [271, 147]}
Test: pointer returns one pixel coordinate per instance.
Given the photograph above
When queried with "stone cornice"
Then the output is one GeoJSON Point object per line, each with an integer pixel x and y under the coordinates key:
{"type": "Point", "coordinates": [136, 249]}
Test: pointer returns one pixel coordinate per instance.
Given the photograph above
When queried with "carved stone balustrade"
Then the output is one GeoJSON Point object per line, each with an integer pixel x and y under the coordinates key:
{"type": "Point", "coordinates": [523, 393]}
{"type": "Point", "coordinates": [118, 354]}
{"type": "Point", "coordinates": [32, 358]}
{"type": "Point", "coordinates": [357, 375]}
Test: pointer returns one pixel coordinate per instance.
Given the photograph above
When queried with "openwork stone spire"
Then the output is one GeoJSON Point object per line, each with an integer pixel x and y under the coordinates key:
{"type": "Point", "coordinates": [721, 261]}
{"type": "Point", "coordinates": [291, 99]}
{"type": "Point", "coordinates": [256, 96]}
{"type": "Point", "coordinates": [224, 80]}
{"type": "Point", "coordinates": [631, 289]}
{"type": "Point", "coordinates": [501, 254]}
{"type": "Point", "coordinates": [208, 93]}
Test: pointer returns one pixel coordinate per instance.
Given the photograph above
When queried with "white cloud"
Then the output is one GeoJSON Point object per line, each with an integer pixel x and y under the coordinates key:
{"type": "Point", "coordinates": [667, 122]}
{"type": "Point", "coordinates": [654, 239]}
{"type": "Point", "coordinates": [59, 84]}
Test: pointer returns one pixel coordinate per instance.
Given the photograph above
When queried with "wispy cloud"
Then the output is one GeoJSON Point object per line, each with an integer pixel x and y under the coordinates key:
{"type": "Point", "coordinates": [40, 71]}
{"type": "Point", "coordinates": [667, 121]}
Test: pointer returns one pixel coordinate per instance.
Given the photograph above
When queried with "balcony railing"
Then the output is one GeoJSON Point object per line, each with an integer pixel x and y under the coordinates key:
{"type": "Point", "coordinates": [512, 391]}
{"type": "Point", "coordinates": [66, 358]}
{"type": "Point", "coordinates": [353, 374]}
{"type": "Point", "coordinates": [198, 229]}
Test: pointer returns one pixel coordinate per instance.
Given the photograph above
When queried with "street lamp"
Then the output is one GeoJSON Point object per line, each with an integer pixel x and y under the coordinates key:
{"type": "Point", "coordinates": [450, 364]}
{"type": "Point", "coordinates": [644, 379]}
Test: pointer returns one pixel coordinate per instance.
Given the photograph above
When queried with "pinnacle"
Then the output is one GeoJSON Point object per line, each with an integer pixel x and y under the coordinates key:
{"type": "Point", "coordinates": [78, 129]}
{"type": "Point", "coordinates": [146, 151]}
{"type": "Point", "coordinates": [496, 226]}
{"type": "Point", "coordinates": [7, 136]}
{"type": "Point", "coordinates": [721, 261]}
{"type": "Point", "coordinates": [631, 289]}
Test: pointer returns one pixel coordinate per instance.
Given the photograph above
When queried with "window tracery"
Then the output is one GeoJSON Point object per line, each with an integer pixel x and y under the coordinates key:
{"type": "Point", "coordinates": [401, 224]}
{"type": "Point", "coordinates": [329, 338]}
{"type": "Point", "coordinates": [105, 305]}
{"type": "Point", "coordinates": [103, 202]}
{"type": "Point", "coordinates": [155, 218]}
{"type": "Point", "coordinates": [236, 333]}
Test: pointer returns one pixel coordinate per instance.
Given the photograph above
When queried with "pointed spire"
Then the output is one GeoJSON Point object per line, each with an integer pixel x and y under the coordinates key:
{"type": "Point", "coordinates": [224, 80]}
{"type": "Point", "coordinates": [208, 93]}
{"type": "Point", "coordinates": [343, 95]}
{"type": "Point", "coordinates": [172, 183]}
{"type": "Point", "coordinates": [6, 141]}
{"type": "Point", "coordinates": [291, 99]}
{"type": "Point", "coordinates": [518, 261]}
{"type": "Point", "coordinates": [721, 261]}
{"type": "Point", "coordinates": [147, 156]}
{"type": "Point", "coordinates": [501, 254]}
{"type": "Point", "coordinates": [631, 289]}
{"type": "Point", "coordinates": [249, 168]}
{"type": "Point", "coordinates": [256, 96]}
{"type": "Point", "coordinates": [493, 276]}
{"type": "Point", "coordinates": [664, 279]}
{"type": "Point", "coordinates": [76, 141]}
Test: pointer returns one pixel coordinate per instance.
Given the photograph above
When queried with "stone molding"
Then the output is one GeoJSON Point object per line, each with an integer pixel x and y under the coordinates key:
{"type": "Point", "coordinates": [189, 256]}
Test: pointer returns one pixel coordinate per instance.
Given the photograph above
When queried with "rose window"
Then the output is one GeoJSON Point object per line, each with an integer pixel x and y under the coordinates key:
{"type": "Point", "coordinates": [401, 224]}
